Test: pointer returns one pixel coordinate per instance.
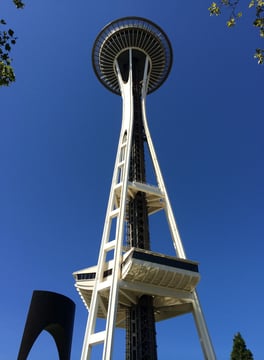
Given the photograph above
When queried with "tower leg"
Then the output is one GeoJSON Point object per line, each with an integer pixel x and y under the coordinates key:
{"type": "Point", "coordinates": [204, 337]}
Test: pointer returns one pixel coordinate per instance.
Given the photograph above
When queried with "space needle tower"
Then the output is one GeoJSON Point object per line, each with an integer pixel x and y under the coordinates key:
{"type": "Point", "coordinates": [131, 286]}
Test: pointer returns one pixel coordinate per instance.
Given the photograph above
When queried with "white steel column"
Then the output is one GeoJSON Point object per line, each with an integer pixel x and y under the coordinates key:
{"type": "Point", "coordinates": [204, 337]}
{"type": "Point", "coordinates": [116, 209]}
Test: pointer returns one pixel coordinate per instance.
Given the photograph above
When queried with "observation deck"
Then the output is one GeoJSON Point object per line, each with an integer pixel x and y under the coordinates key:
{"type": "Point", "coordinates": [168, 279]}
{"type": "Point", "coordinates": [135, 33]}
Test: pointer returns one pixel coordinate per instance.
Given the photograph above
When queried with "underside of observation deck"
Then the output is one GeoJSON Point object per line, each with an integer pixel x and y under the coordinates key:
{"type": "Point", "coordinates": [169, 280]}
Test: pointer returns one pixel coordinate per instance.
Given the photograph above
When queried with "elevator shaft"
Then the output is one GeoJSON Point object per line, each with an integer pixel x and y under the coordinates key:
{"type": "Point", "coordinates": [140, 325]}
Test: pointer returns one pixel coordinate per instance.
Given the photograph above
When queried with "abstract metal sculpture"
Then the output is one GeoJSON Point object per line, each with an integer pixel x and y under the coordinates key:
{"type": "Point", "coordinates": [51, 312]}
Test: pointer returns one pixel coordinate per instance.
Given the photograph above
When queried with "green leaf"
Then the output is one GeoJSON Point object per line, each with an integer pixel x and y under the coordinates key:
{"type": "Point", "coordinates": [5, 57]}
{"type": "Point", "coordinates": [7, 47]}
{"type": "Point", "coordinates": [19, 4]}
{"type": "Point", "coordinates": [214, 9]}
{"type": "Point", "coordinates": [7, 74]}
{"type": "Point", "coordinates": [10, 32]}
{"type": "Point", "coordinates": [231, 22]}
{"type": "Point", "coordinates": [259, 22]}
{"type": "Point", "coordinates": [259, 55]}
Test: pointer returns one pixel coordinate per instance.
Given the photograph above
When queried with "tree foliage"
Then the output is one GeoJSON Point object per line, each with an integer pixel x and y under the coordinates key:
{"type": "Point", "coordinates": [19, 4]}
{"type": "Point", "coordinates": [240, 351]}
{"type": "Point", "coordinates": [234, 15]}
{"type": "Point", "coordinates": [7, 40]}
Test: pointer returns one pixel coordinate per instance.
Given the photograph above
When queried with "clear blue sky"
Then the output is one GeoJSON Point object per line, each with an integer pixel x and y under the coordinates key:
{"type": "Point", "coordinates": [58, 137]}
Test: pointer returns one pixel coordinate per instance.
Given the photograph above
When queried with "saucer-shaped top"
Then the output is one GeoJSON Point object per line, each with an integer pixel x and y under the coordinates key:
{"type": "Point", "coordinates": [132, 33]}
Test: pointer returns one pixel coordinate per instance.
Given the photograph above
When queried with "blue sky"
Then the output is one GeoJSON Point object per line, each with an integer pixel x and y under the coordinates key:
{"type": "Point", "coordinates": [58, 137]}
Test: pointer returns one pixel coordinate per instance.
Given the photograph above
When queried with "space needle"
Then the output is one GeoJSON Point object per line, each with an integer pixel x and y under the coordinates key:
{"type": "Point", "coordinates": [131, 286]}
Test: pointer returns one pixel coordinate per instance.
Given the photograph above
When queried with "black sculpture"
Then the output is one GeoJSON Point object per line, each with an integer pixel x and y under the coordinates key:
{"type": "Point", "coordinates": [51, 312]}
